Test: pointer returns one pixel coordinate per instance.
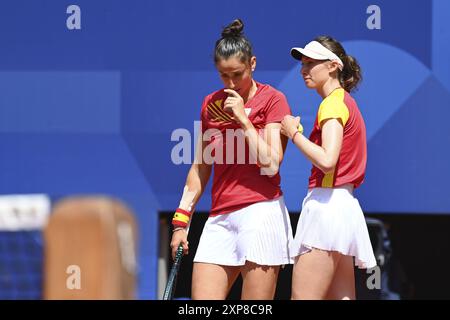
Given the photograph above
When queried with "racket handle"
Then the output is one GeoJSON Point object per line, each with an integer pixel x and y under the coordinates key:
{"type": "Point", "coordinates": [178, 255]}
{"type": "Point", "coordinates": [171, 283]}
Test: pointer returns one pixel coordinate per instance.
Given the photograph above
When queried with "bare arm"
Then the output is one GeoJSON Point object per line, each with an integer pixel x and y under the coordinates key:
{"type": "Point", "coordinates": [267, 150]}
{"type": "Point", "coordinates": [323, 157]}
{"type": "Point", "coordinates": [196, 182]}
{"type": "Point", "coordinates": [197, 179]}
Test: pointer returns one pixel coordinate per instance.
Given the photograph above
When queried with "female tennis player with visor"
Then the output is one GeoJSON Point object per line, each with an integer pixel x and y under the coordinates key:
{"type": "Point", "coordinates": [248, 229]}
{"type": "Point", "coordinates": [332, 234]}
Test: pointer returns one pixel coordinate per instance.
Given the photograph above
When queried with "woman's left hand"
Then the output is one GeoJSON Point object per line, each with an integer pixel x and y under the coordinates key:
{"type": "Point", "coordinates": [235, 104]}
{"type": "Point", "coordinates": [289, 125]}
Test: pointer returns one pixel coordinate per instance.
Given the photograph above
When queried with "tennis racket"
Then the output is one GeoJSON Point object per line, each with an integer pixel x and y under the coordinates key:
{"type": "Point", "coordinates": [185, 204]}
{"type": "Point", "coordinates": [172, 280]}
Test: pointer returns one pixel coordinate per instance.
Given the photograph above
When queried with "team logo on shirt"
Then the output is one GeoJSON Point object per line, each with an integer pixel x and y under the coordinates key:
{"type": "Point", "coordinates": [217, 114]}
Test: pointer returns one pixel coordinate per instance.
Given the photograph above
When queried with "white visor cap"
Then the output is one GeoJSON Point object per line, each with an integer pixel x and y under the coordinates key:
{"type": "Point", "coordinates": [317, 51]}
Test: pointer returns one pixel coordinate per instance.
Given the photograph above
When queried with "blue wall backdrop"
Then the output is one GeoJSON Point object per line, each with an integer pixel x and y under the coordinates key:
{"type": "Point", "coordinates": [91, 111]}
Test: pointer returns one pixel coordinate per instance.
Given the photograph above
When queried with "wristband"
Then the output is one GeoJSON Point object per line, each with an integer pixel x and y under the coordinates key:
{"type": "Point", "coordinates": [181, 218]}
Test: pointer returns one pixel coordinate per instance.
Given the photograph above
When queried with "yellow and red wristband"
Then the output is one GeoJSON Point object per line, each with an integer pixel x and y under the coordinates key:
{"type": "Point", "coordinates": [181, 218]}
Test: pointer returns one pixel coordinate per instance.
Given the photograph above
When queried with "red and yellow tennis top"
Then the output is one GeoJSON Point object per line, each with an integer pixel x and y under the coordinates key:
{"type": "Point", "coordinates": [351, 164]}
{"type": "Point", "coordinates": [238, 182]}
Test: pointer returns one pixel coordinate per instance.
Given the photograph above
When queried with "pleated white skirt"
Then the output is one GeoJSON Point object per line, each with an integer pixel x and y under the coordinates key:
{"type": "Point", "coordinates": [259, 233]}
{"type": "Point", "coordinates": [332, 220]}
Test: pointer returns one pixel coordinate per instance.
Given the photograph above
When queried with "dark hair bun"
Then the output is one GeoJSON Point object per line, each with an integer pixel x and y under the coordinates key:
{"type": "Point", "coordinates": [233, 43]}
{"type": "Point", "coordinates": [234, 29]}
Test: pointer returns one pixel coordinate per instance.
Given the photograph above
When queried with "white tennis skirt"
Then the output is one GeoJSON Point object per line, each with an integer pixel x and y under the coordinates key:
{"type": "Point", "coordinates": [332, 220]}
{"type": "Point", "coordinates": [259, 233]}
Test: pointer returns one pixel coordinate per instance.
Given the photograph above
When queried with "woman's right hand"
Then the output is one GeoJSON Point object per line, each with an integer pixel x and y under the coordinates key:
{"type": "Point", "coordinates": [289, 125]}
{"type": "Point", "coordinates": [179, 237]}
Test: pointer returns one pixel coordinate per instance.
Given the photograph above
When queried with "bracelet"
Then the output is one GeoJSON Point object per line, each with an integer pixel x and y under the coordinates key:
{"type": "Point", "coordinates": [299, 130]}
{"type": "Point", "coordinates": [178, 228]}
{"type": "Point", "coordinates": [293, 137]}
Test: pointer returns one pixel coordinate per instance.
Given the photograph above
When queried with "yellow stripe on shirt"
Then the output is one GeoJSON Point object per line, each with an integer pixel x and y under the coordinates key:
{"type": "Point", "coordinates": [222, 113]}
{"type": "Point", "coordinates": [333, 107]}
{"type": "Point", "coordinates": [327, 180]}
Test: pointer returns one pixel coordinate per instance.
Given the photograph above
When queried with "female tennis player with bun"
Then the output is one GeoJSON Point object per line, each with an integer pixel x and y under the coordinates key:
{"type": "Point", "coordinates": [248, 229]}
{"type": "Point", "coordinates": [331, 235]}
